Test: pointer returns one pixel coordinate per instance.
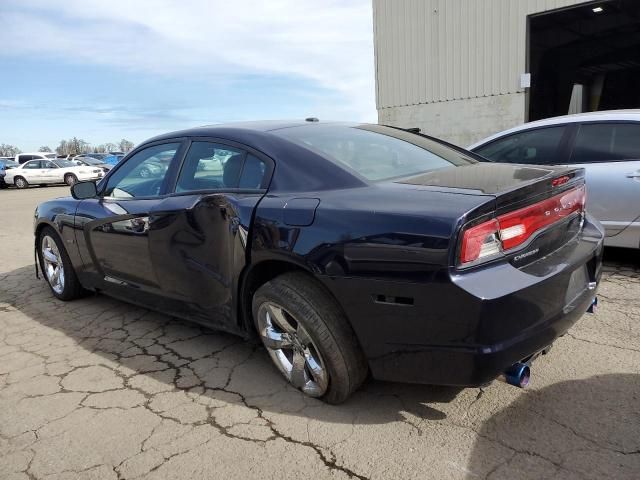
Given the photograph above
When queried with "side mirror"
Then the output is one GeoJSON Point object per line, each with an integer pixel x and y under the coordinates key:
{"type": "Point", "coordinates": [84, 190]}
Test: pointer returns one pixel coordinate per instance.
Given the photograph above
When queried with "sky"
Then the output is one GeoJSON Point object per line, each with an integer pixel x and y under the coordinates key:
{"type": "Point", "coordinates": [112, 69]}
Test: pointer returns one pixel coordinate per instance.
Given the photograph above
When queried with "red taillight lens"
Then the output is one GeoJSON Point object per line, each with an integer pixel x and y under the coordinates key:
{"type": "Point", "coordinates": [513, 229]}
{"type": "Point", "coordinates": [480, 241]}
{"type": "Point", "coordinates": [517, 227]}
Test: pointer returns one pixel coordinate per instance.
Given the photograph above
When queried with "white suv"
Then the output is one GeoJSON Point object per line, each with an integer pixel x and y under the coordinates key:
{"type": "Point", "coordinates": [25, 157]}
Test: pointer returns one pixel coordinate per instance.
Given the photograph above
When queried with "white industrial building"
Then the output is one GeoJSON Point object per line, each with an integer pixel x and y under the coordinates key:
{"type": "Point", "coordinates": [464, 69]}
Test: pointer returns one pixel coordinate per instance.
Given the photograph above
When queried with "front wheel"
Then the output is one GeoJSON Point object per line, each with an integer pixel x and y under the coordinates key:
{"type": "Point", "coordinates": [308, 337]}
{"type": "Point", "coordinates": [56, 266]}
{"type": "Point", "coordinates": [70, 179]}
{"type": "Point", "coordinates": [20, 182]}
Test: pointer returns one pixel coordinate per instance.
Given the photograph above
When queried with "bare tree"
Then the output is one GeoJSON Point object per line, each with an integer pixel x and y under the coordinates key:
{"type": "Point", "coordinates": [44, 149]}
{"type": "Point", "coordinates": [75, 145]}
{"type": "Point", "coordinates": [8, 150]}
{"type": "Point", "coordinates": [63, 148]}
{"type": "Point", "coordinates": [125, 145]}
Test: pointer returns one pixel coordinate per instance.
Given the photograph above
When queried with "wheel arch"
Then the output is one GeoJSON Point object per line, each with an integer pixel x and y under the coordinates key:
{"type": "Point", "coordinates": [15, 177]}
{"type": "Point", "coordinates": [258, 274]}
{"type": "Point", "coordinates": [42, 224]}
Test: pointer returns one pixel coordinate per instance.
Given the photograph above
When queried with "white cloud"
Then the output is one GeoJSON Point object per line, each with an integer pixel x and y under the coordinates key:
{"type": "Point", "coordinates": [327, 42]}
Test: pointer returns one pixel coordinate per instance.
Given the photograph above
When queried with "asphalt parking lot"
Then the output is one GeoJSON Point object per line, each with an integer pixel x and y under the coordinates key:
{"type": "Point", "coordinates": [100, 389]}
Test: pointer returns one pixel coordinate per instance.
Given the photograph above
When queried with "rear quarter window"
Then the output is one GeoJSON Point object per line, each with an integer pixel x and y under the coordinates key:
{"type": "Point", "coordinates": [606, 142]}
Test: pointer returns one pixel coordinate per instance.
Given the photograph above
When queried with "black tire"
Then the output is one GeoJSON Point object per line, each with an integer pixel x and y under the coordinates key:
{"type": "Point", "coordinates": [20, 182]}
{"type": "Point", "coordinates": [70, 179]}
{"type": "Point", "coordinates": [314, 308]}
{"type": "Point", "coordinates": [72, 288]}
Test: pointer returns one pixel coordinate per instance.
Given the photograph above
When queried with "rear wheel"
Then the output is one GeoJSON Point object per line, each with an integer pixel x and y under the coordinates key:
{"type": "Point", "coordinates": [308, 337]}
{"type": "Point", "coordinates": [56, 266]}
{"type": "Point", "coordinates": [70, 179]}
{"type": "Point", "coordinates": [20, 182]}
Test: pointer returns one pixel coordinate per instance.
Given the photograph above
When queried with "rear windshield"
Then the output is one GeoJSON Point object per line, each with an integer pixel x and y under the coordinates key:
{"type": "Point", "coordinates": [375, 152]}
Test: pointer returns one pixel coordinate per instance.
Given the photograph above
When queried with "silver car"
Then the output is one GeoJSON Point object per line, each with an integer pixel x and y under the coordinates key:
{"type": "Point", "coordinates": [606, 144]}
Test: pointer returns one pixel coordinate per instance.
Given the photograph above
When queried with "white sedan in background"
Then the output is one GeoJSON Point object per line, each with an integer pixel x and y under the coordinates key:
{"type": "Point", "coordinates": [44, 172]}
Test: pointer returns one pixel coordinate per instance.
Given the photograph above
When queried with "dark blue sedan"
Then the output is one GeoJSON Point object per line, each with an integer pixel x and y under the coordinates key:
{"type": "Point", "coordinates": [348, 249]}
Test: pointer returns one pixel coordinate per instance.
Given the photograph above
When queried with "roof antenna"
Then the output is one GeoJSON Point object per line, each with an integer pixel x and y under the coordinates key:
{"type": "Point", "coordinates": [311, 119]}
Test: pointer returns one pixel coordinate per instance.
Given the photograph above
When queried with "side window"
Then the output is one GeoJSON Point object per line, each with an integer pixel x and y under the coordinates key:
{"type": "Point", "coordinates": [212, 166]}
{"type": "Point", "coordinates": [25, 158]}
{"type": "Point", "coordinates": [538, 146]}
{"type": "Point", "coordinates": [47, 164]}
{"type": "Point", "coordinates": [253, 173]}
{"type": "Point", "coordinates": [33, 165]}
{"type": "Point", "coordinates": [602, 142]}
{"type": "Point", "coordinates": [143, 174]}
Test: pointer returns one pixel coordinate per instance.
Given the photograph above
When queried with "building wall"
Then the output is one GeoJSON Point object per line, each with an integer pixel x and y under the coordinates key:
{"type": "Point", "coordinates": [432, 52]}
{"type": "Point", "coordinates": [461, 122]}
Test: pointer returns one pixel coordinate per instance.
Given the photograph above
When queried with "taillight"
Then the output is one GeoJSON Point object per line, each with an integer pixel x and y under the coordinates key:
{"type": "Point", "coordinates": [480, 241]}
{"type": "Point", "coordinates": [513, 229]}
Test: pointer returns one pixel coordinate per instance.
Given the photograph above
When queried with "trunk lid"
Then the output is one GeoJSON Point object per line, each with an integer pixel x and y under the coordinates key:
{"type": "Point", "coordinates": [509, 188]}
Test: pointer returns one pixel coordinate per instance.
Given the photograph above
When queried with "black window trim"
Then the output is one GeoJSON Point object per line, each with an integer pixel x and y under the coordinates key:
{"type": "Point", "coordinates": [578, 126]}
{"type": "Point", "coordinates": [266, 181]}
{"type": "Point", "coordinates": [562, 149]}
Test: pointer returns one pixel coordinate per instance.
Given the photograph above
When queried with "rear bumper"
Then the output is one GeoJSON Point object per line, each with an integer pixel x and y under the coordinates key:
{"type": "Point", "coordinates": [466, 329]}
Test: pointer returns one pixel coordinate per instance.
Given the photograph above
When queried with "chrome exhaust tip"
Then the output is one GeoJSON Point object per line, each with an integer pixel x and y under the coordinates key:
{"type": "Point", "coordinates": [594, 306]}
{"type": "Point", "coordinates": [517, 375]}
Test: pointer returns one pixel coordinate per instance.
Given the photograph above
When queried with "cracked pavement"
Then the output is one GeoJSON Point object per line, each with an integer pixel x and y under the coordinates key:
{"type": "Point", "coordinates": [100, 389]}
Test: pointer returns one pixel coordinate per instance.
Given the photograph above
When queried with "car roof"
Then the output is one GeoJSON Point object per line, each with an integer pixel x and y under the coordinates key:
{"type": "Point", "coordinates": [602, 116]}
{"type": "Point", "coordinates": [240, 128]}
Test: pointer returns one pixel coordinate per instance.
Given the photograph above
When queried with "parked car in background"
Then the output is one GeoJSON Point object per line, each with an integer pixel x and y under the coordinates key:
{"type": "Point", "coordinates": [605, 144]}
{"type": "Point", "coordinates": [45, 172]}
{"type": "Point", "coordinates": [113, 159]}
{"type": "Point", "coordinates": [346, 248]}
{"type": "Point", "coordinates": [6, 163]}
{"type": "Point", "coordinates": [154, 167]}
{"type": "Point", "coordinates": [92, 162]}
{"type": "Point", "coordinates": [25, 157]}
{"type": "Point", "coordinates": [98, 156]}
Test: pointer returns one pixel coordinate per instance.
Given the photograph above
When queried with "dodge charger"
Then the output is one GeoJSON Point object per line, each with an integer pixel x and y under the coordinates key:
{"type": "Point", "coordinates": [350, 250]}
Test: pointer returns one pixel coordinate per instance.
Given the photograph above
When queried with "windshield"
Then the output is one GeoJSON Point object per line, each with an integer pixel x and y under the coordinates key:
{"type": "Point", "coordinates": [376, 152]}
{"type": "Point", "coordinates": [64, 163]}
{"type": "Point", "coordinates": [8, 164]}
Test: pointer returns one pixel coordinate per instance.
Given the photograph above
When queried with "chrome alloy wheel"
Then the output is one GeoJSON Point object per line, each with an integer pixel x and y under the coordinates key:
{"type": "Point", "coordinates": [292, 350]}
{"type": "Point", "coordinates": [53, 267]}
